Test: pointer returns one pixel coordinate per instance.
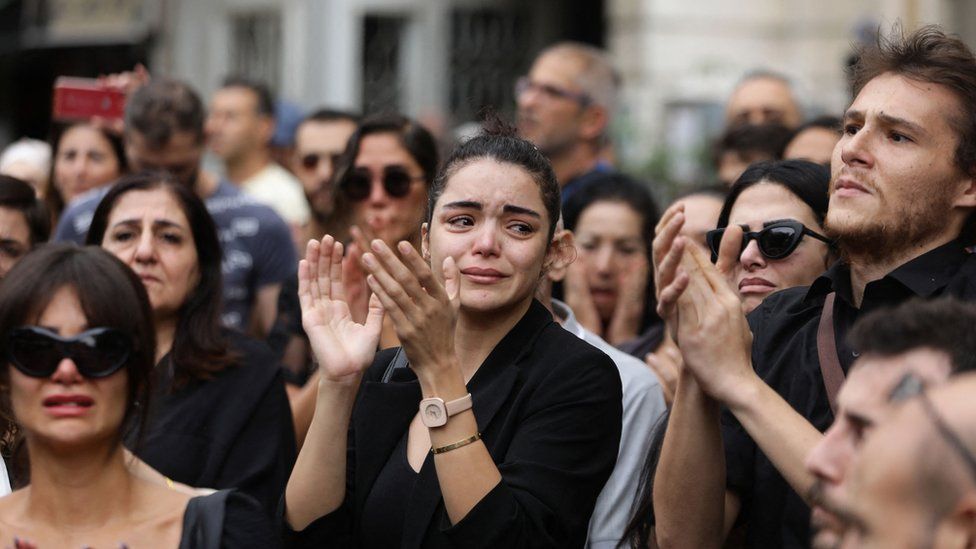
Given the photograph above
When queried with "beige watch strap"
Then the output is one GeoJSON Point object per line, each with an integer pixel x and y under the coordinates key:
{"type": "Point", "coordinates": [459, 405]}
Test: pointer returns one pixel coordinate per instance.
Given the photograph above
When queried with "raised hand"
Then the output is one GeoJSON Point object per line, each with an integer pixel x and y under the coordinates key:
{"type": "Point", "coordinates": [626, 321]}
{"type": "Point", "coordinates": [666, 254]}
{"type": "Point", "coordinates": [713, 333]}
{"type": "Point", "coordinates": [576, 292]}
{"type": "Point", "coordinates": [666, 363]}
{"type": "Point", "coordinates": [424, 311]}
{"type": "Point", "coordinates": [343, 347]}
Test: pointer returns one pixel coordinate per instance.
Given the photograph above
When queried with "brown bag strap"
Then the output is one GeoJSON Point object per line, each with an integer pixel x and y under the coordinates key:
{"type": "Point", "coordinates": [833, 374]}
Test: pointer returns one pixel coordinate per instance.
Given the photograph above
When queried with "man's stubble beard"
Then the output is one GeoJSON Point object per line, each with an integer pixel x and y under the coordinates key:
{"type": "Point", "coordinates": [899, 230]}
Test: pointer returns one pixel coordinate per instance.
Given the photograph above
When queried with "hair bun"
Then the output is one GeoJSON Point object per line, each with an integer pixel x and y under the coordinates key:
{"type": "Point", "coordinates": [493, 125]}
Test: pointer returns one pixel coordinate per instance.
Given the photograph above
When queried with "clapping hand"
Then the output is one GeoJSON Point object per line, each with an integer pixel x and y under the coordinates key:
{"type": "Point", "coordinates": [424, 311]}
{"type": "Point", "coordinates": [713, 334]}
{"type": "Point", "coordinates": [343, 347]}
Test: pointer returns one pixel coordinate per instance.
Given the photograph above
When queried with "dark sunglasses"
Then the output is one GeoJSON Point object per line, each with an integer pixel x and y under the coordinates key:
{"type": "Point", "coordinates": [311, 161]}
{"type": "Point", "coordinates": [524, 84]}
{"type": "Point", "coordinates": [776, 240]}
{"type": "Point", "coordinates": [358, 183]}
{"type": "Point", "coordinates": [36, 352]}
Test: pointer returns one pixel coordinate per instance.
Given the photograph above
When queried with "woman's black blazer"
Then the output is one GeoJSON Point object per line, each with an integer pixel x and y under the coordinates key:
{"type": "Point", "coordinates": [548, 406]}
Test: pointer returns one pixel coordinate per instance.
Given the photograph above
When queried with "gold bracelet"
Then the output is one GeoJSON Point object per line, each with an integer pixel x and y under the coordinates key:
{"type": "Point", "coordinates": [459, 444]}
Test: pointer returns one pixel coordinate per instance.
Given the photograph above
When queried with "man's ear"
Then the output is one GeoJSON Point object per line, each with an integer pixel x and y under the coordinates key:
{"type": "Point", "coordinates": [266, 128]}
{"type": "Point", "coordinates": [958, 529]}
{"type": "Point", "coordinates": [425, 241]}
{"type": "Point", "coordinates": [968, 197]}
{"type": "Point", "coordinates": [562, 252]}
{"type": "Point", "coordinates": [594, 122]}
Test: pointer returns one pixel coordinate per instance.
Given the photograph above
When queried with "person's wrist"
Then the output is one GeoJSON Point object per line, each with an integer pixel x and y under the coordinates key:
{"type": "Point", "coordinates": [743, 392]}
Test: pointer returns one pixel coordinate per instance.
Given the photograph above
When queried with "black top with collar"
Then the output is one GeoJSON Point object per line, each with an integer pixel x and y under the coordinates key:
{"type": "Point", "coordinates": [784, 354]}
{"type": "Point", "coordinates": [548, 406]}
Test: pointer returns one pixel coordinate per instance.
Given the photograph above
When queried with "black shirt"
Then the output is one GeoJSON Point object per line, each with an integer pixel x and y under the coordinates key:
{"type": "Point", "coordinates": [784, 354]}
{"type": "Point", "coordinates": [386, 504]}
{"type": "Point", "coordinates": [232, 431]}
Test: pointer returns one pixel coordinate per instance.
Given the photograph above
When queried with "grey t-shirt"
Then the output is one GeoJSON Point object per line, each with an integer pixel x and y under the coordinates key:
{"type": "Point", "coordinates": [256, 243]}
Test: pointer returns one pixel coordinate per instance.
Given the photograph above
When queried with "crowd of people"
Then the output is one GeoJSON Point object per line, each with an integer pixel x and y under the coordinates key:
{"type": "Point", "coordinates": [366, 336]}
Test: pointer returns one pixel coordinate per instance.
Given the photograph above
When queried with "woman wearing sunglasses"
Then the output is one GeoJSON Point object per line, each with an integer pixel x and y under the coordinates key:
{"type": "Point", "coordinates": [222, 418]}
{"type": "Point", "coordinates": [781, 207]}
{"type": "Point", "coordinates": [79, 349]}
{"type": "Point", "coordinates": [491, 426]}
{"type": "Point", "coordinates": [383, 176]}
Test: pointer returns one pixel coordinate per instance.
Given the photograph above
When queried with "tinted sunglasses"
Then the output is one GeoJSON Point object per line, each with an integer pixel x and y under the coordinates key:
{"type": "Point", "coordinates": [776, 240]}
{"type": "Point", "coordinates": [358, 183]}
{"type": "Point", "coordinates": [311, 161]}
{"type": "Point", "coordinates": [36, 352]}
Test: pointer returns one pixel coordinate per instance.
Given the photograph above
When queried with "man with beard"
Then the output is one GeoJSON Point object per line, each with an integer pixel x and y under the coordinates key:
{"type": "Point", "coordinates": [164, 130]}
{"type": "Point", "coordinates": [914, 482]}
{"type": "Point", "coordinates": [319, 140]}
{"type": "Point", "coordinates": [902, 197]}
{"type": "Point", "coordinates": [565, 105]}
{"type": "Point", "coordinates": [914, 345]}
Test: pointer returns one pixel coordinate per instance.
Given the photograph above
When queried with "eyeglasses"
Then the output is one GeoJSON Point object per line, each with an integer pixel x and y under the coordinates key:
{"type": "Point", "coordinates": [524, 84]}
{"type": "Point", "coordinates": [911, 386]}
{"type": "Point", "coordinates": [946, 432]}
{"type": "Point", "coordinates": [776, 240]}
{"type": "Point", "coordinates": [311, 161]}
{"type": "Point", "coordinates": [358, 183]}
{"type": "Point", "coordinates": [98, 352]}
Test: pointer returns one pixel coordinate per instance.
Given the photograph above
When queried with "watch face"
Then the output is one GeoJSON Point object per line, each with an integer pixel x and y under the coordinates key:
{"type": "Point", "coordinates": [434, 414]}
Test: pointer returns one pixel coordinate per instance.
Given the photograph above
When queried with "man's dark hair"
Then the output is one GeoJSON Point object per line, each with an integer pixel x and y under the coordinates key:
{"type": "Point", "coordinates": [261, 91]}
{"type": "Point", "coordinates": [929, 55]}
{"type": "Point", "coordinates": [331, 115]}
{"type": "Point", "coordinates": [945, 324]}
{"type": "Point", "coordinates": [162, 108]}
{"type": "Point", "coordinates": [200, 349]}
{"type": "Point", "coordinates": [753, 142]}
{"type": "Point", "coordinates": [19, 195]}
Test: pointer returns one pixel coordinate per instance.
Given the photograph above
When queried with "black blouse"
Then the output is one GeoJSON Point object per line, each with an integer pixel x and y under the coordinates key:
{"type": "Point", "coordinates": [784, 354]}
{"type": "Point", "coordinates": [548, 406]}
{"type": "Point", "coordinates": [233, 431]}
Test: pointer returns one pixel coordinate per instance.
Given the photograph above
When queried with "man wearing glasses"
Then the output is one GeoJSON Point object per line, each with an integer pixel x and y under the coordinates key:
{"type": "Point", "coordinates": [902, 207]}
{"type": "Point", "coordinates": [913, 484]}
{"type": "Point", "coordinates": [565, 105]}
{"type": "Point", "coordinates": [903, 349]}
{"type": "Point", "coordinates": [319, 140]}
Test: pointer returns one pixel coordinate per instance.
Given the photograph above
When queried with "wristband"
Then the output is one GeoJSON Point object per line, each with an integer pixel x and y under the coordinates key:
{"type": "Point", "coordinates": [455, 445]}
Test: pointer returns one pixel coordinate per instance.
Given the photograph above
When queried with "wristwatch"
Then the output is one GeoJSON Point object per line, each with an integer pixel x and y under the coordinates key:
{"type": "Point", "coordinates": [434, 411]}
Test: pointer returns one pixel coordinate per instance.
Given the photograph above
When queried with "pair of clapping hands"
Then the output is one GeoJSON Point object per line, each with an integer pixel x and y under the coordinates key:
{"type": "Point", "coordinates": [423, 310]}
{"type": "Point", "coordinates": [702, 310]}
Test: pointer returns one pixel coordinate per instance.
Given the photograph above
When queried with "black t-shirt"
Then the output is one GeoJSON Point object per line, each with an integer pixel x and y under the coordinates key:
{"type": "Point", "coordinates": [784, 354]}
{"type": "Point", "coordinates": [232, 431]}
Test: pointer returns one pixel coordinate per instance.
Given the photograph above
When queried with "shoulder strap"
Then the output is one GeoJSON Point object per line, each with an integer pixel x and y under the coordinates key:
{"type": "Point", "coordinates": [830, 368]}
{"type": "Point", "coordinates": [203, 521]}
{"type": "Point", "coordinates": [399, 360]}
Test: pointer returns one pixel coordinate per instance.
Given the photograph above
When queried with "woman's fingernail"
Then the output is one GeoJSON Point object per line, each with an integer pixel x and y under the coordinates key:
{"type": "Point", "coordinates": [368, 259]}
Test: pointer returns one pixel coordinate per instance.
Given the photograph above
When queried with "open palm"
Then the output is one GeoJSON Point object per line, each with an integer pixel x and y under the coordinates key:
{"type": "Point", "coordinates": [343, 347]}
